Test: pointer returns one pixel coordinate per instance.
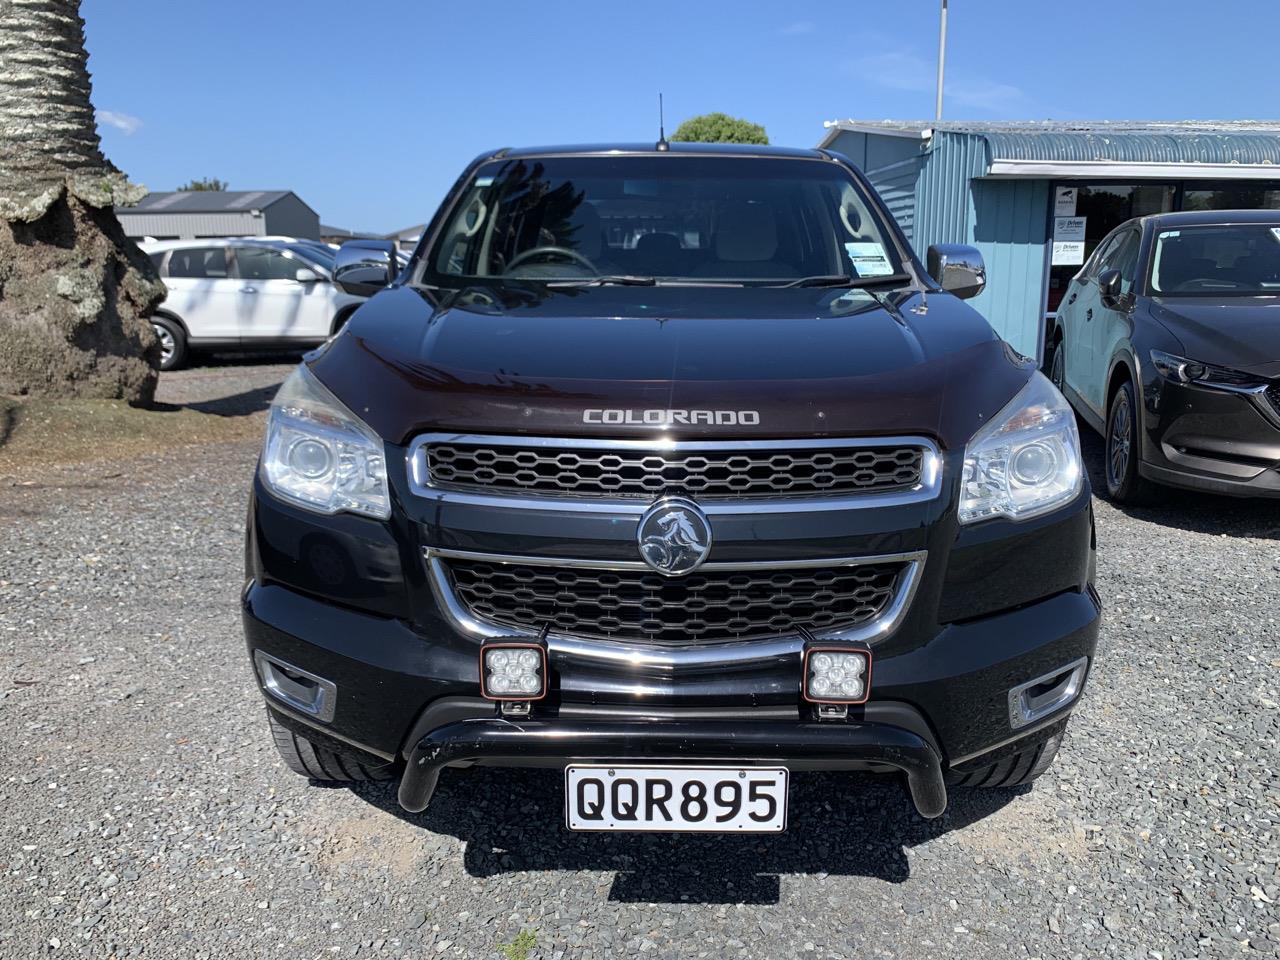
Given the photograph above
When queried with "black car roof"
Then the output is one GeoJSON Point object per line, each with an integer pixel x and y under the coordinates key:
{"type": "Point", "coordinates": [1201, 218]}
{"type": "Point", "coordinates": [716, 149]}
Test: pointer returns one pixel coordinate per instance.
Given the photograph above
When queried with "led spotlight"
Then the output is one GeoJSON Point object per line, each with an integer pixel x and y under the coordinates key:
{"type": "Point", "coordinates": [837, 675]}
{"type": "Point", "coordinates": [513, 671]}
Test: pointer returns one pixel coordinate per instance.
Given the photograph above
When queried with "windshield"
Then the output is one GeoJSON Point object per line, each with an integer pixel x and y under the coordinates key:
{"type": "Point", "coordinates": [1241, 260]}
{"type": "Point", "coordinates": [682, 219]}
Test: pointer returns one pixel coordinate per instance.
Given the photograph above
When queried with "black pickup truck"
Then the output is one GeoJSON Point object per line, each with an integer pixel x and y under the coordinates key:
{"type": "Point", "coordinates": [670, 467]}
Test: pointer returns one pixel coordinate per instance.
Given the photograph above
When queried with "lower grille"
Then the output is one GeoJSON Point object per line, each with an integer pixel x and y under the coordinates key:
{"type": "Point", "coordinates": [700, 608]}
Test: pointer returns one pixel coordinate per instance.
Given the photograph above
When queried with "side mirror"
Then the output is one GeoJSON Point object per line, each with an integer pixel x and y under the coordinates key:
{"type": "Point", "coordinates": [957, 268]}
{"type": "Point", "coordinates": [1109, 286]}
{"type": "Point", "coordinates": [363, 267]}
{"type": "Point", "coordinates": [306, 275]}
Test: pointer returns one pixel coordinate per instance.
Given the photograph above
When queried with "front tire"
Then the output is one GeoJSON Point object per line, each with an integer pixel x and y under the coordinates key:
{"type": "Point", "coordinates": [309, 759]}
{"type": "Point", "coordinates": [173, 342]}
{"type": "Point", "coordinates": [1124, 483]}
{"type": "Point", "coordinates": [1058, 366]}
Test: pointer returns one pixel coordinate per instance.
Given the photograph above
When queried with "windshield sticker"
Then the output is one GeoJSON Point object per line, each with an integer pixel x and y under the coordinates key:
{"type": "Point", "coordinates": [868, 259]}
{"type": "Point", "coordinates": [1275, 232]}
{"type": "Point", "coordinates": [484, 181]}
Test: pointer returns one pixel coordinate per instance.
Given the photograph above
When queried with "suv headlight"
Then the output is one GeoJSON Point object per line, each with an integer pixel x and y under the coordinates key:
{"type": "Point", "coordinates": [1183, 370]}
{"type": "Point", "coordinates": [320, 455]}
{"type": "Point", "coordinates": [1026, 460]}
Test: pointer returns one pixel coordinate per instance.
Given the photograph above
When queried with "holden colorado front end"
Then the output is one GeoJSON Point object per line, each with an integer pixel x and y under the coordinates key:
{"type": "Point", "coordinates": [676, 471]}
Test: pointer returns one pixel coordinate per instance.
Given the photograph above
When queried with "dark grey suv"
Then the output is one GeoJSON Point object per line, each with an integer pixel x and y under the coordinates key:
{"type": "Point", "coordinates": [1169, 345]}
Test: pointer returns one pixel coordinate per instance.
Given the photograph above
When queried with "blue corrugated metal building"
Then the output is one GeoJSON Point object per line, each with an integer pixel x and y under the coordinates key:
{"type": "Point", "coordinates": [1006, 188]}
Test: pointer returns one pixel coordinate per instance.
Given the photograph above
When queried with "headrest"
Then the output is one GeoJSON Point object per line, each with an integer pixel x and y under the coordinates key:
{"type": "Point", "coordinates": [586, 234]}
{"type": "Point", "coordinates": [745, 232]}
{"type": "Point", "coordinates": [658, 243]}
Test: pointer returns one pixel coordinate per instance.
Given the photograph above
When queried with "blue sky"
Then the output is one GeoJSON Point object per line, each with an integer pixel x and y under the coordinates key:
{"type": "Point", "coordinates": [369, 110]}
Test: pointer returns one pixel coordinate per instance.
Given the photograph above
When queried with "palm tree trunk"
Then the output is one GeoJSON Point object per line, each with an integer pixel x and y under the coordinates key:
{"type": "Point", "coordinates": [74, 291]}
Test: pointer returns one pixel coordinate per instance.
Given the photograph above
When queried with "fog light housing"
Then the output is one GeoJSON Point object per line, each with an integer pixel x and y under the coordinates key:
{"type": "Point", "coordinates": [513, 671]}
{"type": "Point", "coordinates": [837, 675]}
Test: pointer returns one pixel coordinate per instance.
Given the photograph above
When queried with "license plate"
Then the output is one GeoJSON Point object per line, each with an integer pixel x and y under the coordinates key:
{"type": "Point", "coordinates": [677, 799]}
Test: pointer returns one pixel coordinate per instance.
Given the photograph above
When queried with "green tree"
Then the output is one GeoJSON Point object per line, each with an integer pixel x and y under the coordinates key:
{"type": "Point", "coordinates": [75, 292]}
{"type": "Point", "coordinates": [205, 183]}
{"type": "Point", "coordinates": [720, 128]}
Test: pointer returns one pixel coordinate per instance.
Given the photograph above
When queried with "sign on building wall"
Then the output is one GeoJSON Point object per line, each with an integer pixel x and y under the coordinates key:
{"type": "Point", "coordinates": [1064, 201]}
{"type": "Point", "coordinates": [1068, 239]}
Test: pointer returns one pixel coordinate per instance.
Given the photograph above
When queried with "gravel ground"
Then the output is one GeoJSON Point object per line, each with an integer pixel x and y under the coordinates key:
{"type": "Point", "coordinates": [147, 813]}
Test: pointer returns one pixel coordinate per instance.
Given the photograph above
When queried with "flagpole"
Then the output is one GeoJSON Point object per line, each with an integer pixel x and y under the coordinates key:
{"type": "Point", "coordinates": [942, 58]}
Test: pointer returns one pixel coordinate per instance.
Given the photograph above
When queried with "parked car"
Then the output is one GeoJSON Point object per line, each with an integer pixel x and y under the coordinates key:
{"type": "Point", "coordinates": [244, 294]}
{"type": "Point", "coordinates": [1168, 344]}
{"type": "Point", "coordinates": [677, 516]}
{"type": "Point", "coordinates": [306, 245]}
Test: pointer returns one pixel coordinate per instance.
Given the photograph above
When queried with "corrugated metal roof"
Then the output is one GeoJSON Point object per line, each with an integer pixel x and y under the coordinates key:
{"type": "Point", "coordinates": [1125, 141]}
{"type": "Point", "coordinates": [206, 201]}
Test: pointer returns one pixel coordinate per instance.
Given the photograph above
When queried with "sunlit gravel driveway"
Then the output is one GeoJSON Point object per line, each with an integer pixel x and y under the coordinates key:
{"type": "Point", "coordinates": [145, 812]}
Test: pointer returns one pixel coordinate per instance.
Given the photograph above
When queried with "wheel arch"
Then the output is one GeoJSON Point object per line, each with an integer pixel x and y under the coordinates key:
{"type": "Point", "coordinates": [1123, 368]}
{"type": "Point", "coordinates": [170, 315]}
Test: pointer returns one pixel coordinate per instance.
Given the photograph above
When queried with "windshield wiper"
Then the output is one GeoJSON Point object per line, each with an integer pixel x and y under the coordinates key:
{"type": "Point", "coordinates": [619, 280]}
{"type": "Point", "coordinates": [843, 280]}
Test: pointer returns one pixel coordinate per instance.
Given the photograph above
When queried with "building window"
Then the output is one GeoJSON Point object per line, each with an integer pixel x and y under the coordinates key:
{"type": "Point", "coordinates": [1105, 206]}
{"type": "Point", "coordinates": [1231, 196]}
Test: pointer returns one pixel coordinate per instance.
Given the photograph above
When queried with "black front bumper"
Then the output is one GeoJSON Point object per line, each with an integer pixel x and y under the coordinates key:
{"type": "Point", "coordinates": [1204, 438]}
{"type": "Point", "coordinates": [827, 745]}
{"type": "Point", "coordinates": [999, 604]}
{"type": "Point", "coordinates": [942, 705]}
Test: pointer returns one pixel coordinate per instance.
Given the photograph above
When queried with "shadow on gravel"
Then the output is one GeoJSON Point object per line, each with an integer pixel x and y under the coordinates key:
{"type": "Point", "coordinates": [246, 360]}
{"type": "Point", "coordinates": [236, 405]}
{"type": "Point", "coordinates": [1187, 509]}
{"type": "Point", "coordinates": [842, 824]}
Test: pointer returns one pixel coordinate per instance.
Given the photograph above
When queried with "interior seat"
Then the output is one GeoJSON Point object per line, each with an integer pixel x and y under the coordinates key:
{"type": "Point", "coordinates": [746, 243]}
{"type": "Point", "coordinates": [586, 236]}
{"type": "Point", "coordinates": [659, 255]}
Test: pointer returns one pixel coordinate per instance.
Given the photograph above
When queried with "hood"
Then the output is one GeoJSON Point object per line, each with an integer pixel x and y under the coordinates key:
{"type": "Point", "coordinates": [1242, 334]}
{"type": "Point", "coordinates": [708, 362]}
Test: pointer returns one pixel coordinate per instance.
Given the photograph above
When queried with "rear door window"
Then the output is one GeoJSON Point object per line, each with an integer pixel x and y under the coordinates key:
{"type": "Point", "coordinates": [199, 263]}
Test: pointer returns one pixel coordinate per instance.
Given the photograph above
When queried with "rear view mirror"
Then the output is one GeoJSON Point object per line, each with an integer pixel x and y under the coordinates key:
{"type": "Point", "coordinates": [957, 268]}
{"type": "Point", "coordinates": [1109, 286]}
{"type": "Point", "coordinates": [306, 275]}
{"type": "Point", "coordinates": [363, 267]}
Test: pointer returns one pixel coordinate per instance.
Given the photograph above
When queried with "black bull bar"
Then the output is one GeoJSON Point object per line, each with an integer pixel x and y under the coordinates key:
{"type": "Point", "coordinates": [815, 746]}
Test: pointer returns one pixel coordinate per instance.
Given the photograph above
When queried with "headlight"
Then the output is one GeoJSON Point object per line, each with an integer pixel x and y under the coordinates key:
{"type": "Point", "coordinates": [1183, 370]}
{"type": "Point", "coordinates": [320, 455]}
{"type": "Point", "coordinates": [1026, 461]}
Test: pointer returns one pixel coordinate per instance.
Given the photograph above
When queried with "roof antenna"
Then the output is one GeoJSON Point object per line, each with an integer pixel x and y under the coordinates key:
{"type": "Point", "coordinates": [662, 134]}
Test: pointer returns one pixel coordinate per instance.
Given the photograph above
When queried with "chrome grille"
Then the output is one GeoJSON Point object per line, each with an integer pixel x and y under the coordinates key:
{"type": "Point", "coordinates": [646, 471]}
{"type": "Point", "coordinates": [703, 607]}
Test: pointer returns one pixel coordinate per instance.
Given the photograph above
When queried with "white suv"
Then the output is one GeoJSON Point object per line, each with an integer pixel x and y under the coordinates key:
{"type": "Point", "coordinates": [246, 294]}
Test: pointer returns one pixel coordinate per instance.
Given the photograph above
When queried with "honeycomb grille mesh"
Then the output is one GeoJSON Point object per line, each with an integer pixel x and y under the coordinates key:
{"type": "Point", "coordinates": [699, 608]}
{"type": "Point", "coordinates": [651, 473]}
